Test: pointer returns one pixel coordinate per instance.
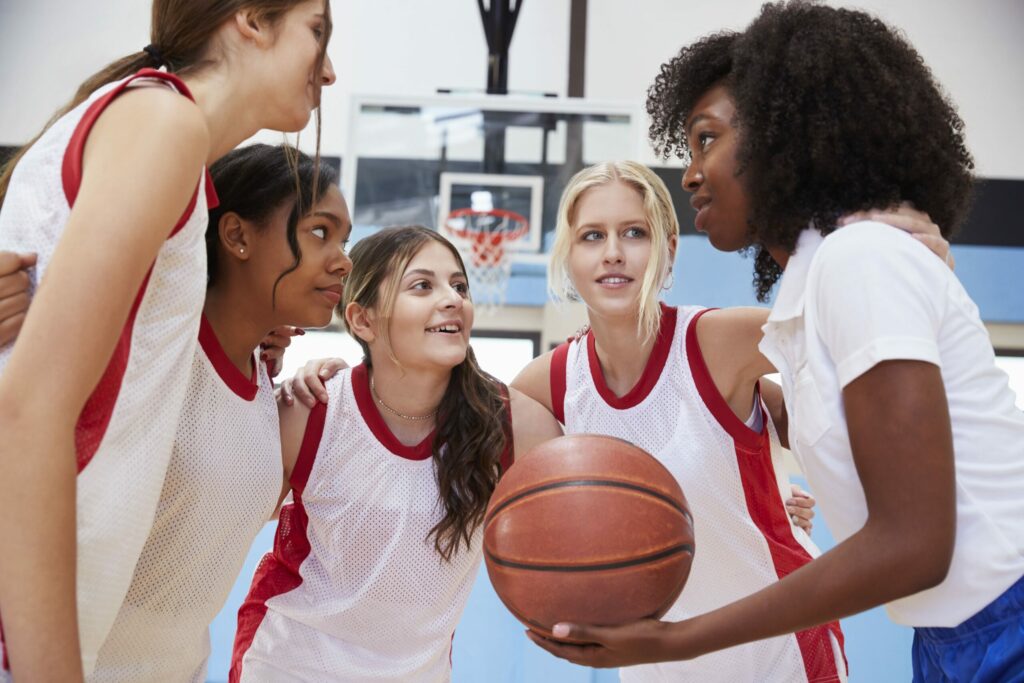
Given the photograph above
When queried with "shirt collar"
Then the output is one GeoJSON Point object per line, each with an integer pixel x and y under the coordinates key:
{"type": "Point", "coordinates": [789, 301]}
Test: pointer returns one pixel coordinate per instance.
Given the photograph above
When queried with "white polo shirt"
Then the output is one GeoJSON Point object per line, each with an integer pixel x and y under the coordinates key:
{"type": "Point", "coordinates": [870, 293]}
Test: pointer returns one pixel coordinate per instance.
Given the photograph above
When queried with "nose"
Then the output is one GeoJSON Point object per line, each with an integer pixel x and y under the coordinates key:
{"type": "Point", "coordinates": [693, 177]}
{"type": "Point", "coordinates": [452, 299]}
{"type": "Point", "coordinates": [612, 249]}
{"type": "Point", "coordinates": [327, 75]}
{"type": "Point", "coordinates": [340, 264]}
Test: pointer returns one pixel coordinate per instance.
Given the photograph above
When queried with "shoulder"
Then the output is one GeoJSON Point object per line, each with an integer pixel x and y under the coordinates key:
{"type": "Point", "coordinates": [156, 118]}
{"type": "Point", "coordinates": [532, 423]}
{"type": "Point", "coordinates": [535, 380]}
{"type": "Point", "coordinates": [869, 255]}
{"type": "Point", "coordinates": [867, 240]}
{"type": "Point", "coordinates": [723, 324]}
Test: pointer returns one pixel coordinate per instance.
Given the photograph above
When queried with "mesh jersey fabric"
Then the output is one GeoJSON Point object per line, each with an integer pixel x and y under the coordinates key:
{"type": "Point", "coordinates": [125, 433]}
{"type": "Point", "coordinates": [222, 485]}
{"type": "Point", "coordinates": [744, 538]}
{"type": "Point", "coordinates": [354, 589]}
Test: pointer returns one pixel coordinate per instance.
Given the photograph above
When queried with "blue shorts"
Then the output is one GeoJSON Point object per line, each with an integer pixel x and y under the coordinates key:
{"type": "Point", "coordinates": [987, 648]}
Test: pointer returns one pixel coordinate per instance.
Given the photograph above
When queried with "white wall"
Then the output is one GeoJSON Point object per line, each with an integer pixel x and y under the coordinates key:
{"type": "Point", "coordinates": [414, 46]}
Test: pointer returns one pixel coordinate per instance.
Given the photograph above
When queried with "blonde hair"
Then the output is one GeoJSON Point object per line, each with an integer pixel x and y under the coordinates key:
{"type": "Point", "coordinates": [661, 217]}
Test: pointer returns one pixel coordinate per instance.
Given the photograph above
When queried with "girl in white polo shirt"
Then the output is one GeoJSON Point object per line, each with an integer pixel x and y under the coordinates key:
{"type": "Point", "coordinates": [903, 425]}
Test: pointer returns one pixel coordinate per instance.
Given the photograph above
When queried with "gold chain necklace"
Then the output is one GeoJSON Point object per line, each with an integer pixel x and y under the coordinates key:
{"type": "Point", "coordinates": [385, 406]}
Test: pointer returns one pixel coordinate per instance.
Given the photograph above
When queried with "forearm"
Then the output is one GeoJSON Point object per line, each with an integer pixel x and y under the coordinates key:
{"type": "Point", "coordinates": [38, 550]}
{"type": "Point", "coordinates": [872, 567]}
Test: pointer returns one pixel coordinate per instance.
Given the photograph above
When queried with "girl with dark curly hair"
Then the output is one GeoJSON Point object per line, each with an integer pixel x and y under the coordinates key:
{"type": "Point", "coordinates": [810, 118]}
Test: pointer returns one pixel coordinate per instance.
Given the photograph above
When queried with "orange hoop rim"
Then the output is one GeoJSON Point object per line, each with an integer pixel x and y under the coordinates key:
{"type": "Point", "coordinates": [496, 237]}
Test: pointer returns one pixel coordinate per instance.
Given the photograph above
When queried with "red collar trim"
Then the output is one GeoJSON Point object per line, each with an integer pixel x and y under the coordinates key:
{"type": "Point", "coordinates": [380, 429]}
{"type": "Point", "coordinates": [651, 373]}
{"type": "Point", "coordinates": [245, 388]}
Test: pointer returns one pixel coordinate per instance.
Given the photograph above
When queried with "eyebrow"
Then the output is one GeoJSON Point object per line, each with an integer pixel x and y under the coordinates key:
{"type": "Point", "coordinates": [695, 120]}
{"type": "Point", "coordinates": [429, 273]}
{"type": "Point", "coordinates": [328, 215]}
{"type": "Point", "coordinates": [631, 221]}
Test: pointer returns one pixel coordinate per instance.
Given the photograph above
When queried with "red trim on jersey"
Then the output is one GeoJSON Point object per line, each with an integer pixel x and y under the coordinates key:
{"type": "Point", "coordinates": [278, 571]}
{"type": "Point", "coordinates": [376, 423]}
{"type": "Point", "coordinates": [245, 387]}
{"type": "Point", "coordinates": [764, 503]}
{"type": "Point", "coordinates": [96, 414]}
{"type": "Point", "coordinates": [767, 511]}
{"type": "Point", "coordinates": [713, 399]}
{"type": "Point", "coordinates": [508, 455]}
{"type": "Point", "coordinates": [652, 371]}
{"type": "Point", "coordinates": [559, 360]}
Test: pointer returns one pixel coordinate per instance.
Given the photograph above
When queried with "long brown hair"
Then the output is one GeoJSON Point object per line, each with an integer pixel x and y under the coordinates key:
{"type": "Point", "coordinates": [181, 31]}
{"type": "Point", "coordinates": [472, 423]}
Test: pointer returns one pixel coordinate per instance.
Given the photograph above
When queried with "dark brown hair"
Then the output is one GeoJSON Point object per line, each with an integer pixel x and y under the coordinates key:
{"type": "Point", "coordinates": [181, 32]}
{"type": "Point", "coordinates": [254, 182]}
{"type": "Point", "coordinates": [472, 420]}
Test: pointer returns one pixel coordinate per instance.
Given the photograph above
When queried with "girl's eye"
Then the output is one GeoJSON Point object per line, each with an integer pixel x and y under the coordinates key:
{"type": "Point", "coordinates": [420, 284]}
{"type": "Point", "coordinates": [319, 233]}
{"type": "Point", "coordinates": [635, 233]}
{"type": "Point", "coordinates": [319, 33]}
{"type": "Point", "coordinates": [704, 139]}
{"type": "Point", "coordinates": [592, 236]}
{"type": "Point", "coordinates": [461, 287]}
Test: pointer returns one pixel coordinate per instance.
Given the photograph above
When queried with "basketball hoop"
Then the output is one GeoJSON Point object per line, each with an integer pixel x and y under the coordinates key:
{"type": "Point", "coordinates": [484, 234]}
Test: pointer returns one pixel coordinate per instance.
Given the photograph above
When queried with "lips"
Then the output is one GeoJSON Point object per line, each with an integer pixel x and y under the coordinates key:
{"type": "Point", "coordinates": [447, 327]}
{"type": "Point", "coordinates": [700, 203]}
{"type": "Point", "coordinates": [332, 293]}
{"type": "Point", "coordinates": [614, 280]}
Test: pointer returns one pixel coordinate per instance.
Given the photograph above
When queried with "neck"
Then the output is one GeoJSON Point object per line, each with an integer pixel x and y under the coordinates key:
{"type": "Point", "coordinates": [779, 255]}
{"type": "Point", "coordinates": [414, 393]}
{"type": "Point", "coordinates": [230, 118]}
{"type": "Point", "coordinates": [238, 330]}
{"type": "Point", "coordinates": [621, 351]}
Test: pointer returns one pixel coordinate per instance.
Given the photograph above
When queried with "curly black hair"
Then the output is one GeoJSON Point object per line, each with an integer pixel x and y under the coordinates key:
{"type": "Point", "coordinates": [837, 113]}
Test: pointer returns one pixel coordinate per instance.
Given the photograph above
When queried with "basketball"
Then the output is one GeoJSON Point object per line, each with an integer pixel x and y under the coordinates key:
{"type": "Point", "coordinates": [587, 529]}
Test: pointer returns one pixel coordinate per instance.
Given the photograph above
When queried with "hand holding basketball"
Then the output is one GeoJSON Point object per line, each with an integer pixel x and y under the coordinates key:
{"type": "Point", "coordinates": [587, 528]}
{"type": "Point", "coordinates": [641, 642]}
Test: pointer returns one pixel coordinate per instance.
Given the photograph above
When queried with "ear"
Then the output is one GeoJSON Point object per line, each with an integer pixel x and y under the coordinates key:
{"type": "Point", "coordinates": [234, 235]}
{"type": "Point", "coordinates": [253, 28]}
{"type": "Point", "coordinates": [360, 322]}
{"type": "Point", "coordinates": [673, 244]}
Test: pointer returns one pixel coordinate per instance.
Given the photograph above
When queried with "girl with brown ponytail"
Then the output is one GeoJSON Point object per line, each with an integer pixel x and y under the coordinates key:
{"type": "Point", "coordinates": [378, 550]}
{"type": "Point", "coordinates": [113, 197]}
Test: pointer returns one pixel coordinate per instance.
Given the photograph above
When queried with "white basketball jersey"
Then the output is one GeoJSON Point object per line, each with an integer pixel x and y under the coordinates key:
{"type": "Point", "coordinates": [744, 539]}
{"type": "Point", "coordinates": [221, 488]}
{"type": "Point", "coordinates": [354, 589]}
{"type": "Point", "coordinates": [125, 432]}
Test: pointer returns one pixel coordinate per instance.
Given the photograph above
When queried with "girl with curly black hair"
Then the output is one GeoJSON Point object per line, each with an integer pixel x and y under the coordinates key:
{"type": "Point", "coordinates": [811, 118]}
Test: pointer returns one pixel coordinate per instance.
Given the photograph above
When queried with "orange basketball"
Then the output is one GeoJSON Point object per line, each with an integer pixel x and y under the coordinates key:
{"type": "Point", "coordinates": [587, 529]}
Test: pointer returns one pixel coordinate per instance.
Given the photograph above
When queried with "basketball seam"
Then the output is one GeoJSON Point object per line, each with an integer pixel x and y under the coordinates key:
{"type": "Point", "coordinates": [587, 482]}
{"type": "Point", "coordinates": [619, 564]}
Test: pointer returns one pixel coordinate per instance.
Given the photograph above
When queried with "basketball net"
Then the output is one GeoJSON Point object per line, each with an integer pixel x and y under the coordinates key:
{"type": "Point", "coordinates": [480, 237]}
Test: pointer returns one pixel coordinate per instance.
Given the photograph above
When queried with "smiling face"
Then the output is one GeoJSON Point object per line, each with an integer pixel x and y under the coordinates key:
{"type": "Point", "coordinates": [432, 315]}
{"type": "Point", "coordinates": [718, 197]}
{"type": "Point", "coordinates": [610, 248]}
{"type": "Point", "coordinates": [307, 295]}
